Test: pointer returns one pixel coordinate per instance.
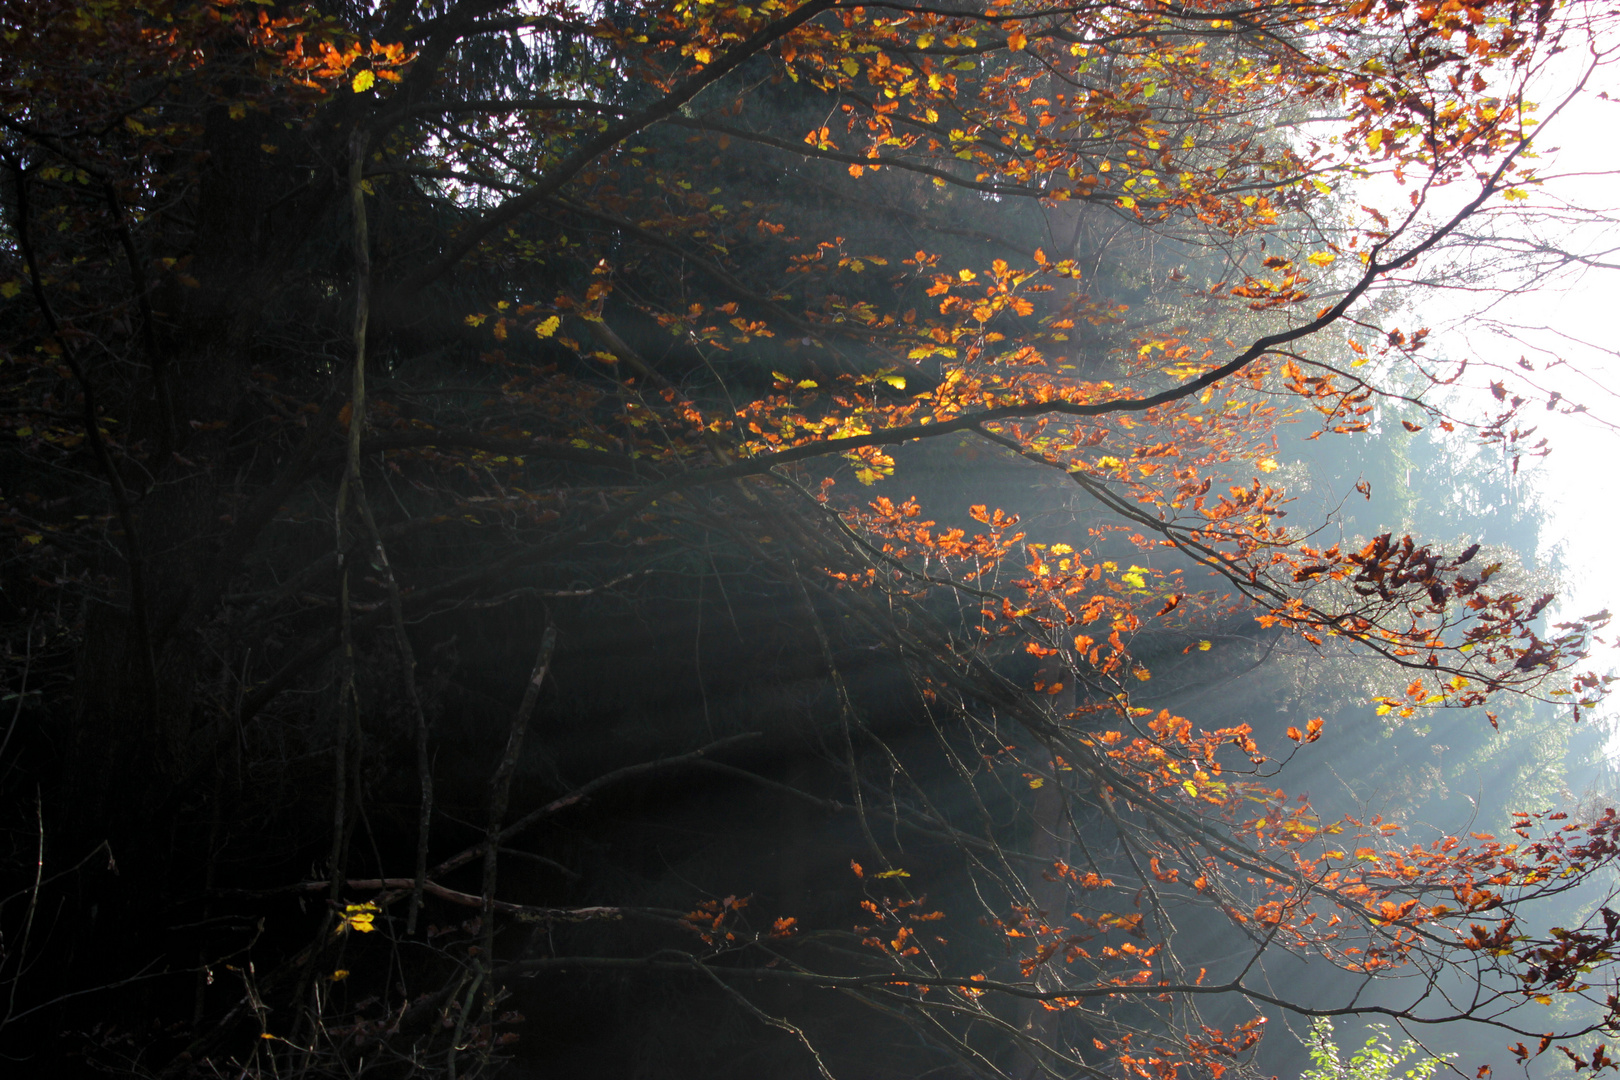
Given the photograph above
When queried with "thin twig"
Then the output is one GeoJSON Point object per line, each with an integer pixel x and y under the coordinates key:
{"type": "Point", "coordinates": [500, 788]}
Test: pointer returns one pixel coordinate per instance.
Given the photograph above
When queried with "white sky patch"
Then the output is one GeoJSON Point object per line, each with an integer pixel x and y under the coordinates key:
{"type": "Point", "coordinates": [1562, 316]}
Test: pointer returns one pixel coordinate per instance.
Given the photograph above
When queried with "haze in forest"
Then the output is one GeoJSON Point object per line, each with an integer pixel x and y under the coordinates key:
{"type": "Point", "coordinates": [686, 538]}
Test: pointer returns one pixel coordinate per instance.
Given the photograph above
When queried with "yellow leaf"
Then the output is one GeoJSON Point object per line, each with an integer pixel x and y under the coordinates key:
{"type": "Point", "coordinates": [1204, 646]}
{"type": "Point", "coordinates": [340, 974]}
{"type": "Point", "coordinates": [896, 381]}
{"type": "Point", "coordinates": [1320, 258]}
{"type": "Point", "coordinates": [33, 538]}
{"type": "Point", "coordinates": [359, 917]}
{"type": "Point", "coordinates": [1266, 464]}
{"type": "Point", "coordinates": [364, 80]}
{"type": "Point", "coordinates": [1515, 194]}
{"type": "Point", "coordinates": [10, 289]}
{"type": "Point", "coordinates": [851, 66]}
{"type": "Point", "coordinates": [892, 874]}
{"type": "Point", "coordinates": [1375, 139]}
{"type": "Point", "coordinates": [1543, 999]}
{"type": "Point", "coordinates": [1190, 788]}
{"type": "Point", "coordinates": [547, 327]}
{"type": "Point", "coordinates": [807, 384]}
{"type": "Point", "coordinates": [924, 40]}
{"type": "Point", "coordinates": [1037, 783]}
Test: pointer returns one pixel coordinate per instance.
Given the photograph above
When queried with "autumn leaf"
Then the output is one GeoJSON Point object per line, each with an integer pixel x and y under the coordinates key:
{"type": "Point", "coordinates": [359, 917]}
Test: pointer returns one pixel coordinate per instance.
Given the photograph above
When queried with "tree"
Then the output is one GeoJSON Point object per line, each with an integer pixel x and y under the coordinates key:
{"type": "Point", "coordinates": [340, 334]}
{"type": "Point", "coordinates": [1374, 1059]}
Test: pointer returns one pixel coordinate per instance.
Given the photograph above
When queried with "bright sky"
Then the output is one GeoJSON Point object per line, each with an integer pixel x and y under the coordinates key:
{"type": "Point", "coordinates": [1571, 315]}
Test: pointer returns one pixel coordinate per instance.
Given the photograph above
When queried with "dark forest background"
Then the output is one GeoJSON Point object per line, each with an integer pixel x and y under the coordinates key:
{"type": "Point", "coordinates": [212, 781]}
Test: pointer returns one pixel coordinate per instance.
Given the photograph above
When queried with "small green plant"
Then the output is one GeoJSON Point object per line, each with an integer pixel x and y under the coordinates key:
{"type": "Point", "coordinates": [1376, 1060]}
